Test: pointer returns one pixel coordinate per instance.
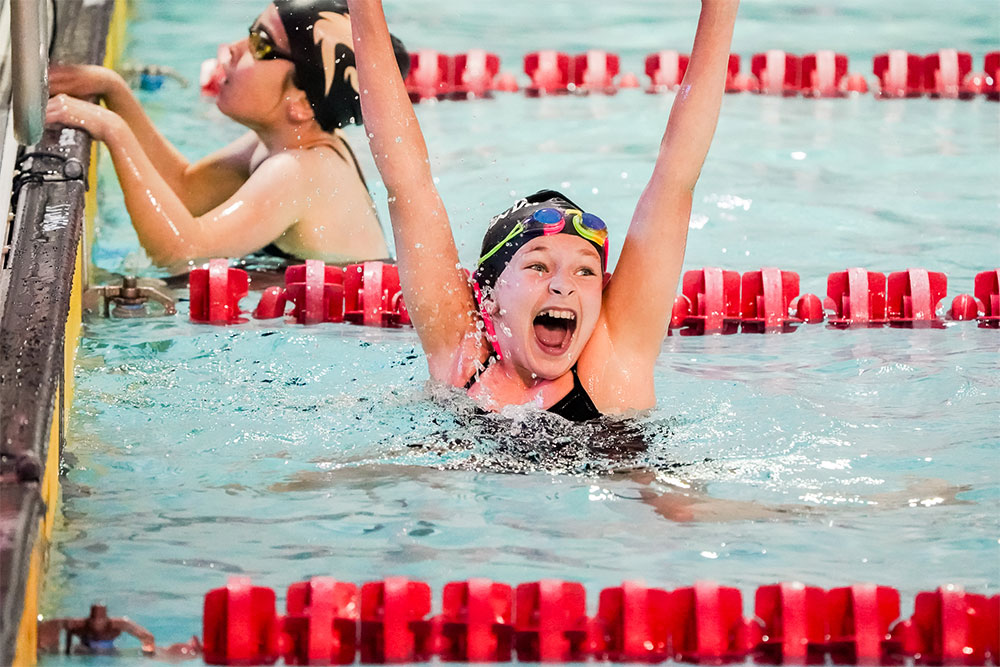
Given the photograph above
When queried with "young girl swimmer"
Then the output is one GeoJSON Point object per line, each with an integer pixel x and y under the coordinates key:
{"type": "Point", "coordinates": [290, 186]}
{"type": "Point", "coordinates": [539, 324]}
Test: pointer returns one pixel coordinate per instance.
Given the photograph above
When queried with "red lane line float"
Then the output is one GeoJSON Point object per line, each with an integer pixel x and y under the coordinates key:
{"type": "Point", "coordinates": [706, 624]}
{"type": "Point", "coordinates": [434, 75]}
{"type": "Point", "coordinates": [372, 295]}
{"type": "Point", "coordinates": [790, 624]}
{"type": "Point", "coordinates": [944, 73]}
{"type": "Point", "coordinates": [823, 74]}
{"type": "Point", "coordinates": [899, 74]}
{"type": "Point", "coordinates": [950, 627]}
{"type": "Point", "coordinates": [475, 623]}
{"type": "Point", "coordinates": [239, 625]}
{"type": "Point", "coordinates": [546, 621]}
{"type": "Point", "coordinates": [628, 80]}
{"type": "Point", "coordinates": [991, 69]}
{"type": "Point", "coordinates": [665, 70]}
{"type": "Point", "coordinates": [856, 297]}
{"type": "Point", "coordinates": [987, 290]}
{"type": "Point", "coordinates": [320, 626]}
{"type": "Point", "coordinates": [316, 290]}
{"type": "Point", "coordinates": [765, 299]}
{"type": "Point", "coordinates": [216, 292]}
{"type": "Point", "coordinates": [550, 621]}
{"type": "Point", "coordinates": [393, 625]}
{"type": "Point", "coordinates": [912, 297]}
{"type": "Point", "coordinates": [858, 622]}
{"type": "Point", "coordinates": [712, 300]}
{"type": "Point", "coordinates": [631, 624]}
{"type": "Point", "coordinates": [777, 72]}
{"type": "Point", "coordinates": [709, 303]}
{"type": "Point", "coordinates": [595, 71]}
{"type": "Point", "coordinates": [473, 73]}
{"type": "Point", "coordinates": [429, 76]}
{"type": "Point", "coordinates": [549, 72]}
{"type": "Point", "coordinates": [736, 82]}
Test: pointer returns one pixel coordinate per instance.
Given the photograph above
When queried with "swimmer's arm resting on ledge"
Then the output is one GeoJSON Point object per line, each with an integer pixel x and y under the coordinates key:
{"type": "Point", "coordinates": [438, 295]}
{"type": "Point", "coordinates": [202, 185]}
{"type": "Point", "coordinates": [638, 299]}
{"type": "Point", "coordinates": [137, 631]}
{"type": "Point", "coordinates": [271, 200]}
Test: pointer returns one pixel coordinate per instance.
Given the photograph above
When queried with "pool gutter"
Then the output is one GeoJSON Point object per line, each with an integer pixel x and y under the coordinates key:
{"type": "Point", "coordinates": [39, 329]}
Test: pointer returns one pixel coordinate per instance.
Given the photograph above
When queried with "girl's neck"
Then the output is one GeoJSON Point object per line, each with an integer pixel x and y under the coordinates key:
{"type": "Point", "coordinates": [503, 383]}
{"type": "Point", "coordinates": [296, 137]}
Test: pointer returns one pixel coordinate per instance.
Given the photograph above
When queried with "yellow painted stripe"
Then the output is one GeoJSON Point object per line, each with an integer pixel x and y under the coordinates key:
{"type": "Point", "coordinates": [26, 652]}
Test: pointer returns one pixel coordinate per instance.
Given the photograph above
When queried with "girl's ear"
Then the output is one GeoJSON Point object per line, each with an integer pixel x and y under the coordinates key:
{"type": "Point", "coordinates": [297, 104]}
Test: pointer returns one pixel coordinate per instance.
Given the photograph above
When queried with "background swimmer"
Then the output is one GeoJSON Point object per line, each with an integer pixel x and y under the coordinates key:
{"type": "Point", "coordinates": [291, 182]}
{"type": "Point", "coordinates": [550, 329]}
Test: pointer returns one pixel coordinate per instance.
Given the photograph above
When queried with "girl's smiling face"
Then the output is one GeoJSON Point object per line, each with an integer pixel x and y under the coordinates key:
{"type": "Point", "coordinates": [546, 304]}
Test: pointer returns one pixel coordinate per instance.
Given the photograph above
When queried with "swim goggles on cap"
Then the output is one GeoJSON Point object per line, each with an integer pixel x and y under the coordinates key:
{"type": "Point", "coordinates": [262, 47]}
{"type": "Point", "coordinates": [552, 221]}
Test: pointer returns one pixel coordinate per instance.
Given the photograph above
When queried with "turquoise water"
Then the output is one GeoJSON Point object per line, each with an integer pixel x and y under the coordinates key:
{"type": "Point", "coordinates": [823, 456]}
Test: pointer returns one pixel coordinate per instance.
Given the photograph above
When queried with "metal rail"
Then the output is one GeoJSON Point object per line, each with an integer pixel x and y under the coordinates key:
{"type": "Point", "coordinates": [29, 46]}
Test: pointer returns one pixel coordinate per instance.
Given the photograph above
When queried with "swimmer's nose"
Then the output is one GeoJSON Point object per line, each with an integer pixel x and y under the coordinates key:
{"type": "Point", "coordinates": [561, 285]}
{"type": "Point", "coordinates": [236, 49]}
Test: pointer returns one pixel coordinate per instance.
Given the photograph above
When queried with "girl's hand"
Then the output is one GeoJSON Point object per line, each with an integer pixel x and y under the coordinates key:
{"type": "Point", "coordinates": [92, 118]}
{"type": "Point", "coordinates": [83, 80]}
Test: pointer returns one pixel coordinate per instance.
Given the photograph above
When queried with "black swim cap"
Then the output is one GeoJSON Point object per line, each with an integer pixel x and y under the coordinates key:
{"type": "Point", "coordinates": [494, 259]}
{"type": "Point", "coordinates": [319, 36]}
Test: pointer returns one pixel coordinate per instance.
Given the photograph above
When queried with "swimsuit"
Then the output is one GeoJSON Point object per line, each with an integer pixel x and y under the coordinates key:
{"type": "Point", "coordinates": [575, 406]}
{"type": "Point", "coordinates": [100, 646]}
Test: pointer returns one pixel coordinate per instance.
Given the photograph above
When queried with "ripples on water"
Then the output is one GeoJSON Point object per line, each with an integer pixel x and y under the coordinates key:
{"type": "Point", "coordinates": [825, 456]}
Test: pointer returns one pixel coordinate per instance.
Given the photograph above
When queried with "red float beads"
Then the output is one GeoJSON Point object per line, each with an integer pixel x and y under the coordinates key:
{"type": "Point", "coordinates": [476, 623]}
{"type": "Point", "coordinates": [899, 74]}
{"type": "Point", "coordinates": [240, 626]}
{"type": "Point", "coordinates": [856, 297]}
{"type": "Point", "coordinates": [394, 628]}
{"type": "Point", "coordinates": [858, 621]}
{"type": "Point", "coordinates": [791, 626]}
{"type": "Point", "coordinates": [550, 622]}
{"type": "Point", "coordinates": [912, 297]}
{"type": "Point", "coordinates": [950, 627]}
{"type": "Point", "coordinates": [546, 621]}
{"type": "Point", "coordinates": [216, 292]}
{"type": "Point", "coordinates": [632, 624]}
{"type": "Point", "coordinates": [765, 299]}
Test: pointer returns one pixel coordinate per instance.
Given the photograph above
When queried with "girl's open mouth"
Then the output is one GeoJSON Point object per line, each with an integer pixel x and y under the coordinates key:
{"type": "Point", "coordinates": [554, 328]}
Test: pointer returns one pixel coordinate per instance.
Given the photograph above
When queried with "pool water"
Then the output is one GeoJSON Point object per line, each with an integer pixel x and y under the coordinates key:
{"type": "Point", "coordinates": [830, 457]}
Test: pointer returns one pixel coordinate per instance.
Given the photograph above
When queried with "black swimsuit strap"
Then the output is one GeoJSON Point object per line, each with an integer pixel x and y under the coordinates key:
{"type": "Point", "coordinates": [354, 159]}
{"type": "Point", "coordinates": [575, 406]}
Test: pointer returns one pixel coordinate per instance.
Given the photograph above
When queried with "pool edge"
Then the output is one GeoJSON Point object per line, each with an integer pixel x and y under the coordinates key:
{"type": "Point", "coordinates": [98, 38]}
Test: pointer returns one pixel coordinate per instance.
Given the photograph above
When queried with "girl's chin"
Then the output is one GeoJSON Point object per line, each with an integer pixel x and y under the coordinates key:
{"type": "Point", "coordinates": [549, 368]}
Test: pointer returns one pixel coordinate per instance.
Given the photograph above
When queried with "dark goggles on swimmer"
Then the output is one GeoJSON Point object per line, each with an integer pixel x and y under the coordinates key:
{"type": "Point", "coordinates": [550, 221]}
{"type": "Point", "coordinates": [262, 47]}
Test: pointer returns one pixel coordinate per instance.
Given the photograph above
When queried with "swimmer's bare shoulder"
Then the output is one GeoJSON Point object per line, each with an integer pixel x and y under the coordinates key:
{"type": "Point", "coordinates": [336, 219]}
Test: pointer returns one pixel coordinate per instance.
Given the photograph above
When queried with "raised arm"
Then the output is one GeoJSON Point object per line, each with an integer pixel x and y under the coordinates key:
{"type": "Point", "coordinates": [437, 293]}
{"type": "Point", "coordinates": [638, 300]}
